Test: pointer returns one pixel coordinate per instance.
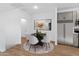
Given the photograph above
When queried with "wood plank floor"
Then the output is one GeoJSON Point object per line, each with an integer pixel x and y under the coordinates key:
{"type": "Point", "coordinates": [59, 50]}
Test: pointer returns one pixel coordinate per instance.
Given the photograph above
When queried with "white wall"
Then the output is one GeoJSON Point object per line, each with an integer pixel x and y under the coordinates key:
{"type": "Point", "coordinates": [10, 30]}
{"type": "Point", "coordinates": [10, 26]}
{"type": "Point", "coordinates": [28, 26]}
{"type": "Point", "coordinates": [49, 15]}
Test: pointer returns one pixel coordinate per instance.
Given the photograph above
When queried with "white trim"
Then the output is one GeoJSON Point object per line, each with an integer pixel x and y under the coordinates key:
{"type": "Point", "coordinates": [56, 43]}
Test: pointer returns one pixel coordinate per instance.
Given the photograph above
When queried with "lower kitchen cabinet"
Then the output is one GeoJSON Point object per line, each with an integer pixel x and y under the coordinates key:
{"type": "Point", "coordinates": [60, 32]}
{"type": "Point", "coordinates": [65, 33]}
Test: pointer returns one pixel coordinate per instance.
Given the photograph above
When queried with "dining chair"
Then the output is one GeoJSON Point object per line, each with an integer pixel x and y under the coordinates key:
{"type": "Point", "coordinates": [46, 40]}
{"type": "Point", "coordinates": [32, 41]}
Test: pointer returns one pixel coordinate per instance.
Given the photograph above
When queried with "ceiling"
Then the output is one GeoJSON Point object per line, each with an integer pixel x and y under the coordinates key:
{"type": "Point", "coordinates": [5, 7]}
{"type": "Point", "coordinates": [64, 6]}
{"type": "Point", "coordinates": [28, 7]}
{"type": "Point", "coordinates": [43, 7]}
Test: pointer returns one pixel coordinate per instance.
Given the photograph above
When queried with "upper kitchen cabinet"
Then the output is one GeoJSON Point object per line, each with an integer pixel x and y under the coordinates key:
{"type": "Point", "coordinates": [77, 15]}
{"type": "Point", "coordinates": [60, 16]}
{"type": "Point", "coordinates": [74, 17]}
{"type": "Point", "coordinates": [65, 16]}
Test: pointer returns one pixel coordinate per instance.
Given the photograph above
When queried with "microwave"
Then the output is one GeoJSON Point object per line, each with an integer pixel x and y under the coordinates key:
{"type": "Point", "coordinates": [77, 23]}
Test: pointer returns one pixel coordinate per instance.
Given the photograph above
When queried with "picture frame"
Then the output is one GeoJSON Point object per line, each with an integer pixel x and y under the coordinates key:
{"type": "Point", "coordinates": [43, 24]}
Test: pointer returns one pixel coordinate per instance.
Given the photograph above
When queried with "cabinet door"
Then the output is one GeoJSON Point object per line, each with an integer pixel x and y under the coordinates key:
{"type": "Point", "coordinates": [74, 17]}
{"type": "Point", "coordinates": [60, 32]}
{"type": "Point", "coordinates": [77, 15]}
{"type": "Point", "coordinates": [69, 33]}
{"type": "Point", "coordinates": [65, 16]}
{"type": "Point", "coordinates": [75, 39]}
{"type": "Point", "coordinates": [68, 16]}
{"type": "Point", "coordinates": [60, 16]}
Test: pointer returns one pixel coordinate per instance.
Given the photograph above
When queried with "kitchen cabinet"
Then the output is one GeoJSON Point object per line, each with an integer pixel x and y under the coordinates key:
{"type": "Point", "coordinates": [60, 16]}
{"type": "Point", "coordinates": [60, 32]}
{"type": "Point", "coordinates": [77, 15]}
{"type": "Point", "coordinates": [76, 40]}
{"type": "Point", "coordinates": [65, 16]}
{"type": "Point", "coordinates": [65, 28]}
{"type": "Point", "coordinates": [65, 33]}
{"type": "Point", "coordinates": [69, 33]}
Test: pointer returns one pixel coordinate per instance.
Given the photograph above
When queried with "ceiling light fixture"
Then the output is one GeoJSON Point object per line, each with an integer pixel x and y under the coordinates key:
{"type": "Point", "coordinates": [35, 7]}
{"type": "Point", "coordinates": [23, 20]}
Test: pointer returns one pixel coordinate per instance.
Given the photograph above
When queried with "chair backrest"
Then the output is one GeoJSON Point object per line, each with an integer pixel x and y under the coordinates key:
{"type": "Point", "coordinates": [32, 39]}
{"type": "Point", "coordinates": [47, 37]}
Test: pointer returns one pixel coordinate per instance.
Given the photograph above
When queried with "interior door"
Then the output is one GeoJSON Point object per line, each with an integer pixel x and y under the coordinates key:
{"type": "Point", "coordinates": [69, 33]}
{"type": "Point", "coordinates": [60, 32]}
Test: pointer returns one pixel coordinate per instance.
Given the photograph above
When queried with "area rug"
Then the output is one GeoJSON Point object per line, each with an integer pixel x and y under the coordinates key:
{"type": "Point", "coordinates": [39, 49]}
